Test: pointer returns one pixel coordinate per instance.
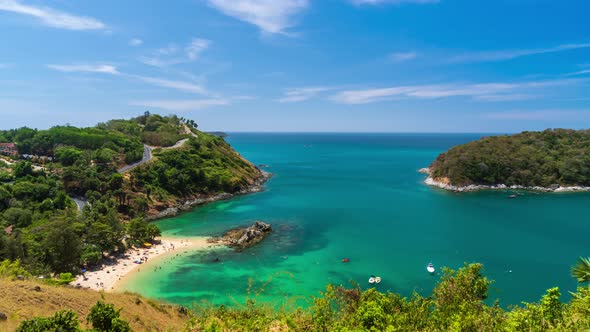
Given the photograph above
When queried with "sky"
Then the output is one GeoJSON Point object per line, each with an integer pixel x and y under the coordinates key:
{"type": "Point", "coordinates": [299, 65]}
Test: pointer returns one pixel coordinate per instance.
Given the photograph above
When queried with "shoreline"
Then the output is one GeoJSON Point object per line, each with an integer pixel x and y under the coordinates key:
{"type": "Point", "coordinates": [190, 204]}
{"type": "Point", "coordinates": [113, 274]}
{"type": "Point", "coordinates": [430, 181]}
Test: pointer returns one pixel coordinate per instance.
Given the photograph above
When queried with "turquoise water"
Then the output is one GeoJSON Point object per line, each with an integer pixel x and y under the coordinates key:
{"type": "Point", "coordinates": [359, 196]}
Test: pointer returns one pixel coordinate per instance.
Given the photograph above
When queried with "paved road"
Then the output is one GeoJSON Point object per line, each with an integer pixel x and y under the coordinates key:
{"type": "Point", "coordinates": [80, 203]}
{"type": "Point", "coordinates": [147, 156]}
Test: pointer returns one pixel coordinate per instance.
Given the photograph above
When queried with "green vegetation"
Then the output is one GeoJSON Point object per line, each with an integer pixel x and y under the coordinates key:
{"type": "Point", "coordinates": [547, 158]}
{"type": "Point", "coordinates": [103, 318]}
{"type": "Point", "coordinates": [459, 302]}
{"type": "Point", "coordinates": [40, 224]}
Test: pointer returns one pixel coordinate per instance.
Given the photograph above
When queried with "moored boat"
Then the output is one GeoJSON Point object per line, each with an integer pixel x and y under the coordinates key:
{"type": "Point", "coordinates": [430, 268]}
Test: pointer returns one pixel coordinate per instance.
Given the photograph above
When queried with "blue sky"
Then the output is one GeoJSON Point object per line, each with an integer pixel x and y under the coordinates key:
{"type": "Point", "coordinates": [299, 65]}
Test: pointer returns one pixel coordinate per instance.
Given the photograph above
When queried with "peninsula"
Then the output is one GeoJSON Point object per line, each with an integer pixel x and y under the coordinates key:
{"type": "Point", "coordinates": [552, 160]}
{"type": "Point", "coordinates": [72, 198]}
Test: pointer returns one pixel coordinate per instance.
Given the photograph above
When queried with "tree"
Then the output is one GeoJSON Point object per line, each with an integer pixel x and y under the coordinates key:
{"type": "Point", "coordinates": [63, 246]}
{"type": "Point", "coordinates": [18, 217]}
{"type": "Point", "coordinates": [105, 318]}
{"type": "Point", "coordinates": [22, 169]}
{"type": "Point", "coordinates": [62, 321]}
{"type": "Point", "coordinates": [140, 231]}
{"type": "Point", "coordinates": [68, 155]}
{"type": "Point", "coordinates": [581, 271]}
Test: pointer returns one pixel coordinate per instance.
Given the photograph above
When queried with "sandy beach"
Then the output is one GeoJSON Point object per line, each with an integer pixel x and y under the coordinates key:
{"type": "Point", "coordinates": [110, 275]}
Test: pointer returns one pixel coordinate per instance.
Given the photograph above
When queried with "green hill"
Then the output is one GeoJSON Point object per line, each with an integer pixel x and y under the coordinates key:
{"type": "Point", "coordinates": [68, 201]}
{"type": "Point", "coordinates": [554, 157]}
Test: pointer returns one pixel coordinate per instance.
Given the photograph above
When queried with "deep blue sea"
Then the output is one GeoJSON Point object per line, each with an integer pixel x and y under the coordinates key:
{"type": "Point", "coordinates": [360, 196]}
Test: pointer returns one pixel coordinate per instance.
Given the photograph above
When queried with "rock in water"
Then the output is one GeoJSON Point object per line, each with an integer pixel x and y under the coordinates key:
{"type": "Point", "coordinates": [242, 238]}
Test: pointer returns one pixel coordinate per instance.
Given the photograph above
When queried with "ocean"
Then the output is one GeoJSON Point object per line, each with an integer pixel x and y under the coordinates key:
{"type": "Point", "coordinates": [359, 196]}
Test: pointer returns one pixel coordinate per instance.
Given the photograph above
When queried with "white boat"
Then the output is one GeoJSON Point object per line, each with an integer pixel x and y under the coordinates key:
{"type": "Point", "coordinates": [372, 280]}
{"type": "Point", "coordinates": [430, 268]}
{"type": "Point", "coordinates": [377, 280]}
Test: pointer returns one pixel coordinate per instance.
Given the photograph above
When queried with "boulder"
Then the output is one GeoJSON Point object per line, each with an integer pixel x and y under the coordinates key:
{"type": "Point", "coordinates": [3, 317]}
{"type": "Point", "coordinates": [242, 238]}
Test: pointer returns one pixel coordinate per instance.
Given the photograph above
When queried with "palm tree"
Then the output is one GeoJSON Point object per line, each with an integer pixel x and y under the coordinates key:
{"type": "Point", "coordinates": [581, 270]}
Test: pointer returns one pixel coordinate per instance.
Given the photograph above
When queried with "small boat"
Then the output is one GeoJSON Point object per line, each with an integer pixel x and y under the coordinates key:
{"type": "Point", "coordinates": [372, 280]}
{"type": "Point", "coordinates": [430, 268]}
{"type": "Point", "coordinates": [377, 280]}
{"type": "Point", "coordinates": [512, 196]}
{"type": "Point", "coordinates": [345, 260]}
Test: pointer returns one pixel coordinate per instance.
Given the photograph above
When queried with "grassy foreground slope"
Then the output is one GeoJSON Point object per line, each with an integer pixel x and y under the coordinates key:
{"type": "Point", "coordinates": [20, 301]}
{"type": "Point", "coordinates": [547, 158]}
{"type": "Point", "coordinates": [459, 302]}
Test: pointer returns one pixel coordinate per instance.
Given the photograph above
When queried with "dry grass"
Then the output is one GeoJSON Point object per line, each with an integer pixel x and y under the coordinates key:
{"type": "Point", "coordinates": [19, 301]}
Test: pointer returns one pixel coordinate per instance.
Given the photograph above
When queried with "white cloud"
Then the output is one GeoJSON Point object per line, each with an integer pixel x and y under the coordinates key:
{"type": "Point", "coordinates": [271, 16]}
{"type": "Point", "coordinates": [173, 55]}
{"type": "Point", "coordinates": [481, 91]}
{"type": "Point", "coordinates": [489, 56]}
{"type": "Point", "coordinates": [135, 42]}
{"type": "Point", "coordinates": [104, 69]}
{"type": "Point", "coordinates": [505, 97]}
{"type": "Point", "coordinates": [402, 56]}
{"type": "Point", "coordinates": [196, 47]}
{"type": "Point", "coordinates": [581, 72]}
{"type": "Point", "coordinates": [176, 85]}
{"type": "Point", "coordinates": [395, 2]}
{"type": "Point", "coordinates": [52, 17]}
{"type": "Point", "coordinates": [181, 105]}
{"type": "Point", "coordinates": [301, 94]}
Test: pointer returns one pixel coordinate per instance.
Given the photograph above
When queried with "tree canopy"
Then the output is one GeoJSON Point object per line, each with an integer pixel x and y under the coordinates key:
{"type": "Point", "coordinates": [546, 158]}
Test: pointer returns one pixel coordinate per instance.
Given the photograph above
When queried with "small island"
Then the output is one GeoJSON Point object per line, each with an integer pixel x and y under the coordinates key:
{"type": "Point", "coordinates": [553, 160]}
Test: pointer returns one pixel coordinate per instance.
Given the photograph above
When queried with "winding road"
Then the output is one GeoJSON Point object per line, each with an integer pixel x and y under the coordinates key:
{"type": "Point", "coordinates": [147, 156]}
{"type": "Point", "coordinates": [147, 151]}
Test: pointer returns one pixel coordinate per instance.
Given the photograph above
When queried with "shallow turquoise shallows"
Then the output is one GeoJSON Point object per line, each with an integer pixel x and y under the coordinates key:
{"type": "Point", "coordinates": [359, 196]}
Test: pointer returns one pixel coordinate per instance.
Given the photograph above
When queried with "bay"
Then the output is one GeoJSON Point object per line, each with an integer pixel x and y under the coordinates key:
{"type": "Point", "coordinates": [360, 196]}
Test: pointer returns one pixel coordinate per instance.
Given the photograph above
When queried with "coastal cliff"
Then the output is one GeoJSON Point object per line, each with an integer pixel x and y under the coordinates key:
{"type": "Point", "coordinates": [556, 160]}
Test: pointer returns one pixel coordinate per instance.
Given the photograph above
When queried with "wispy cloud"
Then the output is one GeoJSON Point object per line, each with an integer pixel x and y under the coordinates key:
{"type": "Point", "coordinates": [301, 94]}
{"type": "Point", "coordinates": [480, 91]}
{"type": "Point", "coordinates": [135, 42]}
{"type": "Point", "coordinates": [172, 84]}
{"type": "Point", "coordinates": [196, 47]}
{"type": "Point", "coordinates": [505, 97]}
{"type": "Point", "coordinates": [181, 105]}
{"type": "Point", "coordinates": [52, 17]}
{"type": "Point", "coordinates": [537, 115]}
{"type": "Point", "coordinates": [395, 2]}
{"type": "Point", "coordinates": [402, 56]}
{"type": "Point", "coordinates": [85, 68]}
{"type": "Point", "coordinates": [270, 16]}
{"type": "Point", "coordinates": [581, 72]}
{"type": "Point", "coordinates": [489, 56]}
{"type": "Point", "coordinates": [172, 54]}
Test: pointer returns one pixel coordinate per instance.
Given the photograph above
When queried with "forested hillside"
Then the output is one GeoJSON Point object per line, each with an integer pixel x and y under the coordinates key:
{"type": "Point", "coordinates": [65, 202]}
{"type": "Point", "coordinates": [548, 158]}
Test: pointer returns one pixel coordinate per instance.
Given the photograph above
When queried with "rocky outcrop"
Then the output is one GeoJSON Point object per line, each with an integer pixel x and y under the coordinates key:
{"type": "Point", "coordinates": [242, 238]}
